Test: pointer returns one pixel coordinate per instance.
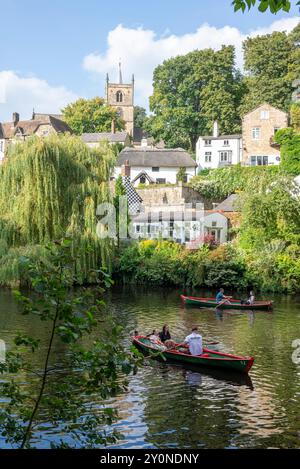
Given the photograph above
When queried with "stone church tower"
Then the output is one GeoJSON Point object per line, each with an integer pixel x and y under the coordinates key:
{"type": "Point", "coordinates": [121, 97]}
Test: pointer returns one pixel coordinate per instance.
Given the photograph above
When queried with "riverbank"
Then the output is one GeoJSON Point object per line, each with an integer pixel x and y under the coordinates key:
{"type": "Point", "coordinates": [165, 263]}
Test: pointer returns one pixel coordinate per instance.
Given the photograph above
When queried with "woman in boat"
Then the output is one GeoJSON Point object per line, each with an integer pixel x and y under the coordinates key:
{"type": "Point", "coordinates": [166, 338]}
{"type": "Point", "coordinates": [154, 337]}
{"type": "Point", "coordinates": [221, 299]}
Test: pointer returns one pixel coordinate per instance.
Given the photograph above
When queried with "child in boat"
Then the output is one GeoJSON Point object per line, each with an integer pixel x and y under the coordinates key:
{"type": "Point", "coordinates": [154, 338]}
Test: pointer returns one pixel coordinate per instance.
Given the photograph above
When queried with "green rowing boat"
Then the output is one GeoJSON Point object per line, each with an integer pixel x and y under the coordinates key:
{"type": "Point", "coordinates": [209, 358]}
{"type": "Point", "coordinates": [234, 304]}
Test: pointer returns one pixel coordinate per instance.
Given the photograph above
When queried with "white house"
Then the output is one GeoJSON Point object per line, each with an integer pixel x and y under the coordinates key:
{"type": "Point", "coordinates": [217, 151]}
{"type": "Point", "coordinates": [182, 226]}
{"type": "Point", "coordinates": [155, 166]}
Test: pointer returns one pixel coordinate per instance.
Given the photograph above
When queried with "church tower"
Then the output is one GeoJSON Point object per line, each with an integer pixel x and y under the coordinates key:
{"type": "Point", "coordinates": [121, 97]}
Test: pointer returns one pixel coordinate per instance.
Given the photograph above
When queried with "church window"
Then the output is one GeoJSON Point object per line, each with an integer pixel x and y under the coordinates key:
{"type": "Point", "coordinates": [119, 96]}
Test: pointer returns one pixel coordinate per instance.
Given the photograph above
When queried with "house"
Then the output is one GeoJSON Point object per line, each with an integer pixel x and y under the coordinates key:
{"type": "Point", "coordinates": [155, 166]}
{"type": "Point", "coordinates": [258, 129]}
{"type": "Point", "coordinates": [41, 125]}
{"type": "Point", "coordinates": [217, 151]}
{"type": "Point", "coordinates": [188, 224]}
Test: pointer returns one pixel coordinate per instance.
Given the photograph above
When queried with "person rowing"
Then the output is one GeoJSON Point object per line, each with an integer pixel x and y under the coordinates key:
{"type": "Point", "coordinates": [194, 342]}
{"type": "Point", "coordinates": [221, 299]}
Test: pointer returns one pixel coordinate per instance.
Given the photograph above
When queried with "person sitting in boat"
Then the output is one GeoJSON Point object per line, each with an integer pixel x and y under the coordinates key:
{"type": "Point", "coordinates": [251, 299]}
{"type": "Point", "coordinates": [194, 342]}
{"type": "Point", "coordinates": [154, 337]}
{"type": "Point", "coordinates": [221, 299]}
{"type": "Point", "coordinates": [166, 338]}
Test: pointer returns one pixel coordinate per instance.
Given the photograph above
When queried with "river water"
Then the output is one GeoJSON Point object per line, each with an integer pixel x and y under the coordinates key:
{"type": "Point", "coordinates": [171, 406]}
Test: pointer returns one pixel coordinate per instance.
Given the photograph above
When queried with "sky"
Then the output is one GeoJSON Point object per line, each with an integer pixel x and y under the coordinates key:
{"type": "Point", "coordinates": [56, 51]}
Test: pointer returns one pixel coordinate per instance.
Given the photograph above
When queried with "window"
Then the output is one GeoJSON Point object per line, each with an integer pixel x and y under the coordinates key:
{"type": "Point", "coordinates": [119, 97]}
{"type": "Point", "coordinates": [155, 170]}
{"type": "Point", "coordinates": [142, 180]}
{"type": "Point", "coordinates": [160, 181]}
{"type": "Point", "coordinates": [225, 156]}
{"type": "Point", "coordinates": [259, 160]}
{"type": "Point", "coordinates": [214, 224]}
{"type": "Point", "coordinates": [208, 155]}
{"type": "Point", "coordinates": [264, 115]}
{"type": "Point", "coordinates": [256, 133]}
{"type": "Point", "coordinates": [137, 229]}
{"type": "Point", "coordinates": [226, 143]}
{"type": "Point", "coordinates": [207, 143]}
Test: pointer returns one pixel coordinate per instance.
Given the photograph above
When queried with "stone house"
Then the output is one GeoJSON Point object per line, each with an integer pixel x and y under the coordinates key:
{"type": "Point", "coordinates": [41, 125]}
{"type": "Point", "coordinates": [258, 129]}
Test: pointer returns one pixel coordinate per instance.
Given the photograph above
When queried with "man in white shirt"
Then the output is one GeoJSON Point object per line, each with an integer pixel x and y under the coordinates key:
{"type": "Point", "coordinates": [194, 342]}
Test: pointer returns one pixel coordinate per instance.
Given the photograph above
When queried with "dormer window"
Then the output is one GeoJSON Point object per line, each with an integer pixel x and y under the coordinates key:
{"type": "Point", "coordinates": [119, 97]}
{"type": "Point", "coordinates": [207, 143]}
{"type": "Point", "coordinates": [226, 143]}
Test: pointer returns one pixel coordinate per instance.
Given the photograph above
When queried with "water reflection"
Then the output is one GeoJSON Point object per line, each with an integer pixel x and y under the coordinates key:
{"type": "Point", "coordinates": [170, 405]}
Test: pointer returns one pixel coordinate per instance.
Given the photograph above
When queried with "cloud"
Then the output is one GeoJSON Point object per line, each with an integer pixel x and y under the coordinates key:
{"type": "Point", "coordinates": [22, 94]}
{"type": "Point", "coordinates": [142, 50]}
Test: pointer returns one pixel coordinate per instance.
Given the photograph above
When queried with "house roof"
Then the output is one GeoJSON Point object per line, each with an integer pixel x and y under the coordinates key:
{"type": "Point", "coordinates": [29, 127]}
{"type": "Point", "coordinates": [264, 105]}
{"type": "Point", "coordinates": [37, 116]}
{"type": "Point", "coordinates": [221, 137]}
{"type": "Point", "coordinates": [153, 157]}
{"type": "Point", "coordinates": [117, 137]}
{"type": "Point", "coordinates": [146, 175]}
{"type": "Point", "coordinates": [228, 205]}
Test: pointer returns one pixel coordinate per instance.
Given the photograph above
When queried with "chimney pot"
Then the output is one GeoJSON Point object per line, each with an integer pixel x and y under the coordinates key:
{"type": "Point", "coordinates": [126, 171]}
{"type": "Point", "coordinates": [216, 129]}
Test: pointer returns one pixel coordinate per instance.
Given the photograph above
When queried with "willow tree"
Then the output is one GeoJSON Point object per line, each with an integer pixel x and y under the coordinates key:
{"type": "Point", "coordinates": [50, 187]}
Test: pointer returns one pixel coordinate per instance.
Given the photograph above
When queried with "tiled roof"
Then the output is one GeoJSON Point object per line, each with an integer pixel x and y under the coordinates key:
{"type": "Point", "coordinates": [228, 205]}
{"type": "Point", "coordinates": [117, 137]}
{"type": "Point", "coordinates": [29, 127]}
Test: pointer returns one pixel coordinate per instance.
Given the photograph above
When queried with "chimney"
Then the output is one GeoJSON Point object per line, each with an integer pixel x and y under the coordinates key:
{"type": "Point", "coordinates": [216, 129]}
{"type": "Point", "coordinates": [125, 171]}
{"type": "Point", "coordinates": [113, 126]}
{"type": "Point", "coordinates": [15, 118]}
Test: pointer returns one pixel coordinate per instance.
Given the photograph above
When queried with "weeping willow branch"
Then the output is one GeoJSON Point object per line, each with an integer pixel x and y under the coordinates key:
{"type": "Point", "coordinates": [50, 187]}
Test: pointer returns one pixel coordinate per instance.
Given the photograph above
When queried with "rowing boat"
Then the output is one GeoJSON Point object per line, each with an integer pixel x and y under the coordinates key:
{"type": "Point", "coordinates": [209, 358]}
{"type": "Point", "coordinates": [234, 304]}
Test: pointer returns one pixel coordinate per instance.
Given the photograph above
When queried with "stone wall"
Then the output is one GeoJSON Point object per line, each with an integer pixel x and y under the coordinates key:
{"type": "Point", "coordinates": [173, 195]}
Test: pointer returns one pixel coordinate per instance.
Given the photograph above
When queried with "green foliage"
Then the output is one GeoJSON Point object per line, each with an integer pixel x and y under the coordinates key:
{"type": "Point", "coordinates": [57, 184]}
{"type": "Point", "coordinates": [140, 117]}
{"type": "Point", "coordinates": [95, 370]}
{"type": "Point", "coordinates": [191, 92]}
{"type": "Point", "coordinates": [181, 175]}
{"type": "Point", "coordinates": [219, 183]}
{"type": "Point", "coordinates": [295, 116]}
{"type": "Point", "coordinates": [91, 115]}
{"type": "Point", "coordinates": [267, 62]}
{"type": "Point", "coordinates": [263, 5]}
{"type": "Point", "coordinates": [289, 142]}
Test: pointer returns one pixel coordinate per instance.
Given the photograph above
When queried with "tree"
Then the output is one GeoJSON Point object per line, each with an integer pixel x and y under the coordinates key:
{"type": "Point", "coordinates": [263, 5]}
{"type": "Point", "coordinates": [268, 61]}
{"type": "Point", "coordinates": [58, 392]}
{"type": "Point", "coordinates": [91, 115]}
{"type": "Point", "coordinates": [57, 183]}
{"type": "Point", "coordinates": [289, 142]}
{"type": "Point", "coordinates": [191, 92]}
{"type": "Point", "coordinates": [140, 116]}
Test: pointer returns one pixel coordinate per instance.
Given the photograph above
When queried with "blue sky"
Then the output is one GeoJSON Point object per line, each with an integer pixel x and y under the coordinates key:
{"type": "Point", "coordinates": [57, 50]}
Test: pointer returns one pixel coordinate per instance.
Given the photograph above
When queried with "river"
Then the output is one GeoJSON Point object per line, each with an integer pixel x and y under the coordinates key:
{"type": "Point", "coordinates": [170, 406]}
